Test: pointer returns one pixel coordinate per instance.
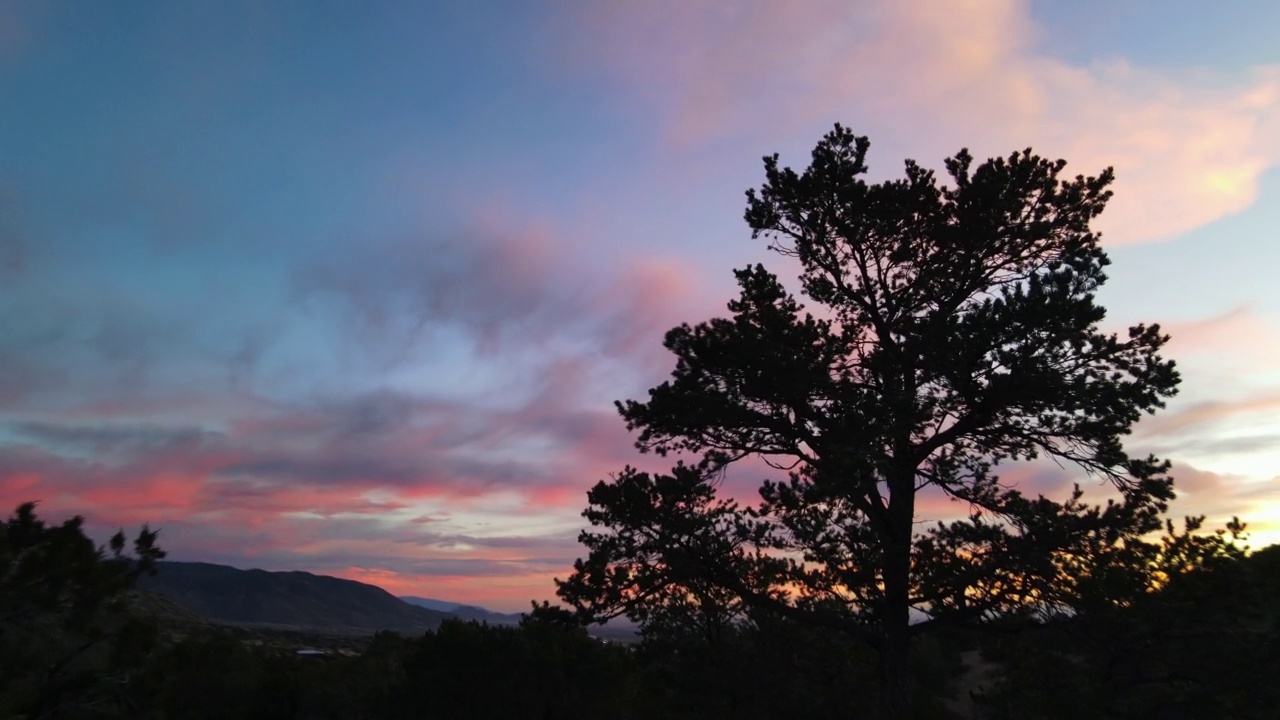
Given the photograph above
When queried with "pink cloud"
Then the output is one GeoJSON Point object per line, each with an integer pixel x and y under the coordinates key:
{"type": "Point", "coordinates": [1229, 402]}
{"type": "Point", "coordinates": [300, 526]}
{"type": "Point", "coordinates": [1192, 481]}
{"type": "Point", "coordinates": [1222, 496]}
{"type": "Point", "coordinates": [520, 289]}
{"type": "Point", "coordinates": [299, 486]}
{"type": "Point", "coordinates": [1200, 417]}
{"type": "Point", "coordinates": [1240, 341]}
{"type": "Point", "coordinates": [929, 78]}
{"type": "Point", "coordinates": [507, 593]}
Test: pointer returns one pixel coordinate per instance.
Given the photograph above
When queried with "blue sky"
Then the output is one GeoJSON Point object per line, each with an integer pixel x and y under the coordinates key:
{"type": "Point", "coordinates": [351, 287]}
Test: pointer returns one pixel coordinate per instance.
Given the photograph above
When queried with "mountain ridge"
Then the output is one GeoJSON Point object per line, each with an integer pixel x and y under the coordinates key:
{"type": "Point", "coordinates": [296, 599]}
{"type": "Point", "coordinates": [463, 611]}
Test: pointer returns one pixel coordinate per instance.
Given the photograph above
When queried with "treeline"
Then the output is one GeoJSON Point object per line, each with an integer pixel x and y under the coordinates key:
{"type": "Point", "coordinates": [1205, 645]}
{"type": "Point", "coordinates": [76, 642]}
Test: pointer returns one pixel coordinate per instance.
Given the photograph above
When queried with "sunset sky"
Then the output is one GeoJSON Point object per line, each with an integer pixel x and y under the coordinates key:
{"type": "Point", "coordinates": [351, 287]}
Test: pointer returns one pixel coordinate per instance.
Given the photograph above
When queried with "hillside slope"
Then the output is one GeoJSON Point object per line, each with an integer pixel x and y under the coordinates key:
{"type": "Point", "coordinates": [299, 600]}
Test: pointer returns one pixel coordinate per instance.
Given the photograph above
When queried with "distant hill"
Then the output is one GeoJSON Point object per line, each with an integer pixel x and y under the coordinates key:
{"type": "Point", "coordinates": [306, 603]}
{"type": "Point", "coordinates": [287, 600]}
{"type": "Point", "coordinates": [464, 612]}
{"type": "Point", "coordinates": [430, 604]}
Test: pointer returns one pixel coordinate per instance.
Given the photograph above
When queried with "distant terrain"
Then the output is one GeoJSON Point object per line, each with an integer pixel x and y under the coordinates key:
{"type": "Point", "coordinates": [307, 603]}
{"type": "Point", "coordinates": [464, 612]}
{"type": "Point", "coordinates": [288, 600]}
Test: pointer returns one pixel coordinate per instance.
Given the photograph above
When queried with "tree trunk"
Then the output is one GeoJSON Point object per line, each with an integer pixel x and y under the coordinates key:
{"type": "Point", "coordinates": [895, 648]}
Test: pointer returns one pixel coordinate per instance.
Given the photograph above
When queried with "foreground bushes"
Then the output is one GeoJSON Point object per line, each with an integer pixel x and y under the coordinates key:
{"type": "Point", "coordinates": [76, 642]}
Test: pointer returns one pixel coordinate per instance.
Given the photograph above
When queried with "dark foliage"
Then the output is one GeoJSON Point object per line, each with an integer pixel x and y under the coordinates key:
{"type": "Point", "coordinates": [957, 332]}
{"type": "Point", "coordinates": [68, 645]}
{"type": "Point", "coordinates": [1199, 642]}
{"type": "Point", "coordinates": [1204, 644]}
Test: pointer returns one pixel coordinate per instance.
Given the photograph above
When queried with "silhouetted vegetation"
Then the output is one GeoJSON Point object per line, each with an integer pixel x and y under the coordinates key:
{"type": "Point", "coordinates": [956, 332]}
{"type": "Point", "coordinates": [1204, 645]}
{"type": "Point", "coordinates": [1202, 642]}
{"type": "Point", "coordinates": [70, 642]}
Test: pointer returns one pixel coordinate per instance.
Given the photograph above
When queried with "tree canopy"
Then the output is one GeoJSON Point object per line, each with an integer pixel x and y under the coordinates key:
{"type": "Point", "coordinates": [67, 642]}
{"type": "Point", "coordinates": [955, 331]}
{"type": "Point", "coordinates": [1202, 643]}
